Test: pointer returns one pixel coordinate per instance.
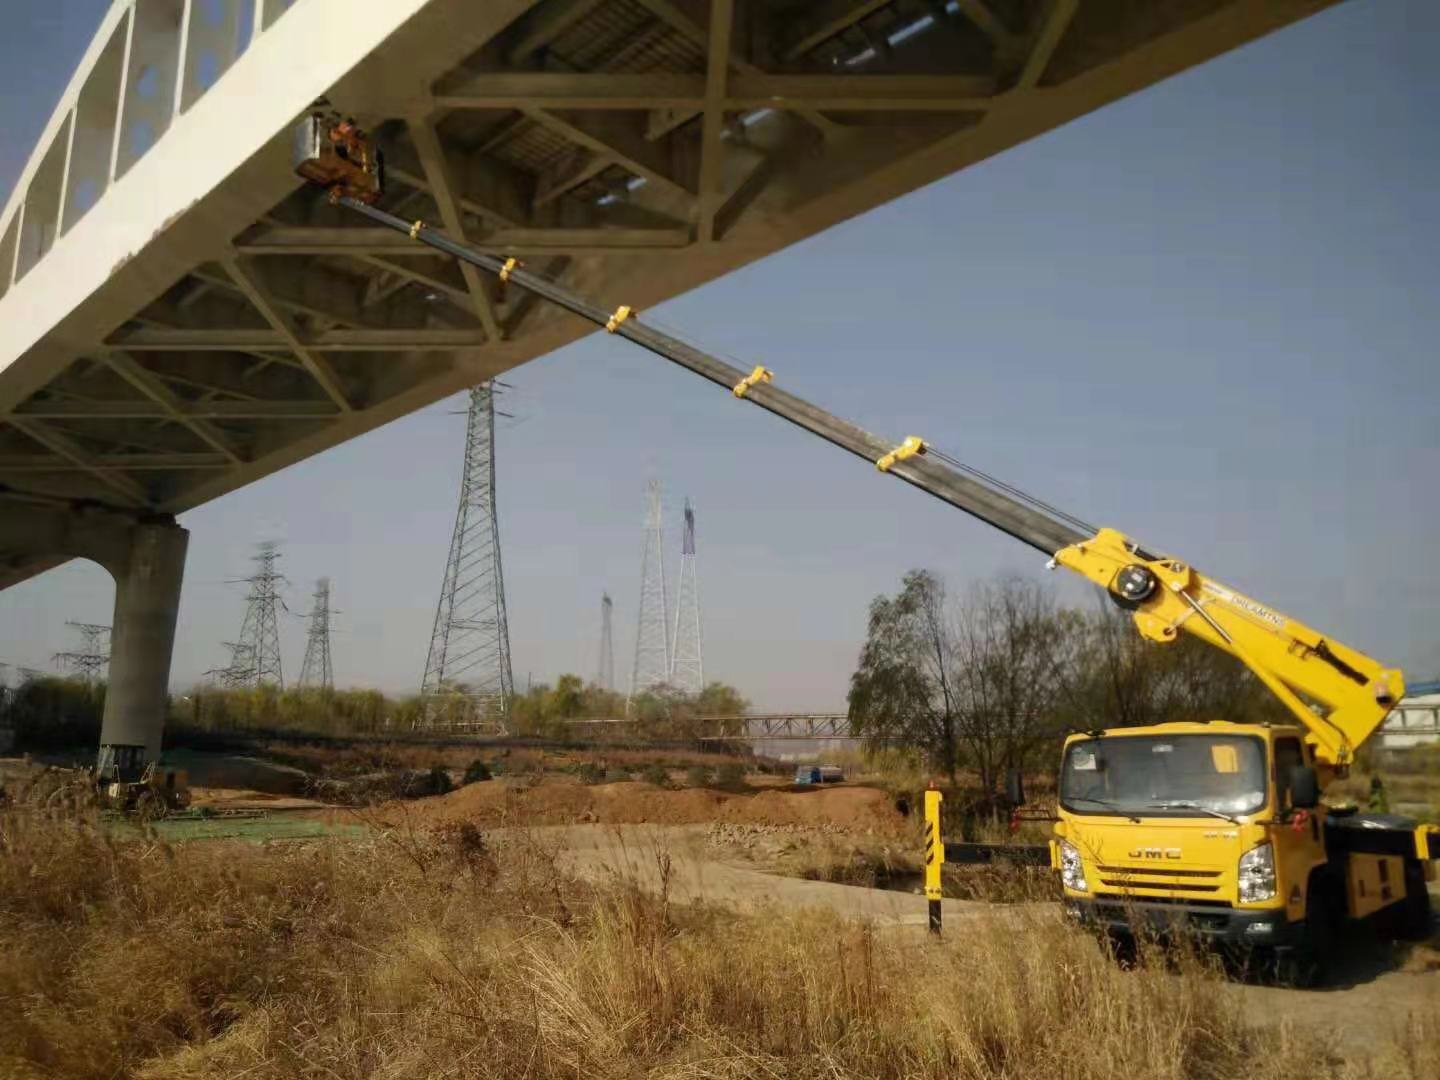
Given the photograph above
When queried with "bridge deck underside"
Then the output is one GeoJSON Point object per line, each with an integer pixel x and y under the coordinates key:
{"type": "Point", "coordinates": [633, 148]}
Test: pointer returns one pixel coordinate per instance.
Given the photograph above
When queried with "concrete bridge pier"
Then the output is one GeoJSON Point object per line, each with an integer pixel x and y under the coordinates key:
{"type": "Point", "coordinates": [146, 558]}
{"type": "Point", "coordinates": [142, 637]}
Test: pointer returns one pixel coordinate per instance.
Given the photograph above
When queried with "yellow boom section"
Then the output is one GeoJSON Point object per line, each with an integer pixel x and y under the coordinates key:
{"type": "Point", "coordinates": [1167, 596]}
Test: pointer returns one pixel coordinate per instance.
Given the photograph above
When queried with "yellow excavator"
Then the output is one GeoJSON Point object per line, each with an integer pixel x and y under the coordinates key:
{"type": "Point", "coordinates": [1214, 828]}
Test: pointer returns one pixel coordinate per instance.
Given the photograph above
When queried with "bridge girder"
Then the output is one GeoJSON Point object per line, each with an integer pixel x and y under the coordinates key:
{"type": "Point", "coordinates": [203, 320]}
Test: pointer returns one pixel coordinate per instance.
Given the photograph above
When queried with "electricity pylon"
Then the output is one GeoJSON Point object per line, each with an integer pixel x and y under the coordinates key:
{"type": "Point", "coordinates": [605, 670]}
{"type": "Point", "coordinates": [255, 655]}
{"type": "Point", "coordinates": [652, 630]}
{"type": "Point", "coordinates": [687, 668]}
{"type": "Point", "coordinates": [93, 655]}
{"type": "Point", "coordinates": [467, 680]}
{"type": "Point", "coordinates": [315, 671]}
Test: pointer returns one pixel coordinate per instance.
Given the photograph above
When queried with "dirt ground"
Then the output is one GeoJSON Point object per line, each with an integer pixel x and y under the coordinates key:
{"type": "Point", "coordinates": [218, 798]}
{"type": "Point", "coordinates": [564, 801]}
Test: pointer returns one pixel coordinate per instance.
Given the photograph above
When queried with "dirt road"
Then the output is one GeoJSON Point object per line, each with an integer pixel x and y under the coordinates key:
{"type": "Point", "coordinates": [701, 873]}
{"type": "Point", "coordinates": [1376, 990]}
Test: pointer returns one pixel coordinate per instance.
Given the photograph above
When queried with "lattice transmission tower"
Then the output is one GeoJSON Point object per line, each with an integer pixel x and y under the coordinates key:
{"type": "Point", "coordinates": [255, 654]}
{"type": "Point", "coordinates": [605, 670]}
{"type": "Point", "coordinates": [90, 660]}
{"type": "Point", "coordinates": [316, 672]}
{"type": "Point", "coordinates": [652, 631]}
{"type": "Point", "coordinates": [468, 682]}
{"type": "Point", "coordinates": [687, 666]}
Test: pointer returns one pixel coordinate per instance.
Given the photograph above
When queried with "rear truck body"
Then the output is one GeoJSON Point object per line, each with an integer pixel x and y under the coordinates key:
{"type": "Point", "coordinates": [1214, 830]}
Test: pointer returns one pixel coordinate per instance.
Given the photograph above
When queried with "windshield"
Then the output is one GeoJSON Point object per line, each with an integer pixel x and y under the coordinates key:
{"type": "Point", "coordinates": [1158, 775]}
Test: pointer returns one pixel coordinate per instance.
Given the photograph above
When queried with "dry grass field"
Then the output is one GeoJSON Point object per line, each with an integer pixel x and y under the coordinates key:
{"type": "Point", "coordinates": [455, 953]}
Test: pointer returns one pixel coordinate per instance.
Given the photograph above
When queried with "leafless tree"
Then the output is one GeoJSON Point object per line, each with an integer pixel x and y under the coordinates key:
{"type": "Point", "coordinates": [1014, 655]}
{"type": "Point", "coordinates": [1123, 680]}
{"type": "Point", "coordinates": [995, 679]}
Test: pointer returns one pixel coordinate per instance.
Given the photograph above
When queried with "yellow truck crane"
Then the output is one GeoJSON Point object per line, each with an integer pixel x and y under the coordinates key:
{"type": "Point", "coordinates": [1216, 828]}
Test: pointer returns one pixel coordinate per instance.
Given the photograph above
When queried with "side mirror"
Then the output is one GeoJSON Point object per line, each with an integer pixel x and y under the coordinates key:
{"type": "Point", "coordinates": [1015, 787]}
{"type": "Point", "coordinates": [1304, 788]}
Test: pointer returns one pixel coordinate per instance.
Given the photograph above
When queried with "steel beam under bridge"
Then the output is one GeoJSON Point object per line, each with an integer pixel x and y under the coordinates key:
{"type": "Point", "coordinates": [180, 317]}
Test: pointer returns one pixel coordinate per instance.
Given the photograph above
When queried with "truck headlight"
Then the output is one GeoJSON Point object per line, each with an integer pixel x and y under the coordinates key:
{"type": "Point", "coordinates": [1257, 874]}
{"type": "Point", "coordinates": [1072, 870]}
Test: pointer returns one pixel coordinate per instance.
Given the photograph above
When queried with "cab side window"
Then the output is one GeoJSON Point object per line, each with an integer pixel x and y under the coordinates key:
{"type": "Point", "coordinates": [1287, 756]}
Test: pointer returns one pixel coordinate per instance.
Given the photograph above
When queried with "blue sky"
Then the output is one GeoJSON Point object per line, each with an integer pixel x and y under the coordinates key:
{"type": "Point", "coordinates": [1205, 315]}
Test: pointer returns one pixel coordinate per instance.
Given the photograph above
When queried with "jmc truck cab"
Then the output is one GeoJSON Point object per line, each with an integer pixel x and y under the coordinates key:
{"type": "Point", "coordinates": [1216, 829]}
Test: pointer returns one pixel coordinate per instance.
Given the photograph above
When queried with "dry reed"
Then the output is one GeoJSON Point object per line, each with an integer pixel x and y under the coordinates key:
{"type": "Point", "coordinates": [465, 955]}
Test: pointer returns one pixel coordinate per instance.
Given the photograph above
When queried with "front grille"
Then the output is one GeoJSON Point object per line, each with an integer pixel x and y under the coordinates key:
{"type": "Point", "coordinates": [1145, 880]}
{"type": "Point", "coordinates": [1144, 888]}
{"type": "Point", "coordinates": [1161, 870]}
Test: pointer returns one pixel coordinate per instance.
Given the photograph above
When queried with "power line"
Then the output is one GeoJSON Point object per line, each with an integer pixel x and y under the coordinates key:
{"type": "Point", "coordinates": [468, 681]}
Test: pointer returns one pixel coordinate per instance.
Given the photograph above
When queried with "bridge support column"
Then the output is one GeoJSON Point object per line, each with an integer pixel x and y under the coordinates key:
{"type": "Point", "coordinates": [142, 638]}
{"type": "Point", "coordinates": [146, 558]}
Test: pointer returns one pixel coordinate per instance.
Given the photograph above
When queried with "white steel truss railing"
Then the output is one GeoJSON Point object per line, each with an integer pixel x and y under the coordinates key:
{"type": "Point", "coordinates": [149, 62]}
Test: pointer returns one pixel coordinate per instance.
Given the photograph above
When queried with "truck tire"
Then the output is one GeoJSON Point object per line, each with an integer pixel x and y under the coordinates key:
{"type": "Point", "coordinates": [1306, 965]}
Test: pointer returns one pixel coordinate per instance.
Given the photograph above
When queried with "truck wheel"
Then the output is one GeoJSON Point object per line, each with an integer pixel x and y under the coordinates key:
{"type": "Point", "coordinates": [1306, 965]}
{"type": "Point", "coordinates": [1412, 914]}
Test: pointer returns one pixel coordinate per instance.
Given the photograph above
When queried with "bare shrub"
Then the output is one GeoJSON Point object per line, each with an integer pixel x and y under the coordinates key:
{"type": "Point", "coordinates": [476, 772]}
{"type": "Point", "coordinates": [591, 772]}
{"type": "Point", "coordinates": [730, 775]}
{"type": "Point", "coordinates": [378, 787]}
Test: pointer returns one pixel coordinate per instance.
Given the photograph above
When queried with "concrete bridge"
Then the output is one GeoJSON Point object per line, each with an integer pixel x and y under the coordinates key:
{"type": "Point", "coordinates": [179, 317]}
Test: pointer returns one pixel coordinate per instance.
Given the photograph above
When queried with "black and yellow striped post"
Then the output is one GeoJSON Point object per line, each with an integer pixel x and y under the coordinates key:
{"type": "Point", "coordinates": [934, 856]}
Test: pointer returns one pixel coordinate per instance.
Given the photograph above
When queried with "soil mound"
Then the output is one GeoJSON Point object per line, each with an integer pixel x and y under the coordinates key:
{"type": "Point", "coordinates": [496, 802]}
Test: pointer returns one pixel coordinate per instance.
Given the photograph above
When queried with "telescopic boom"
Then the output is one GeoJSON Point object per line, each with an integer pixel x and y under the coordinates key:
{"type": "Point", "coordinates": [1339, 695]}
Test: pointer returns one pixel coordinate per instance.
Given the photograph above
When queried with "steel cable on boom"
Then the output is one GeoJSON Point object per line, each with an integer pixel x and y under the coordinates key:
{"type": "Point", "coordinates": [979, 474]}
{"type": "Point", "coordinates": [1013, 491]}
